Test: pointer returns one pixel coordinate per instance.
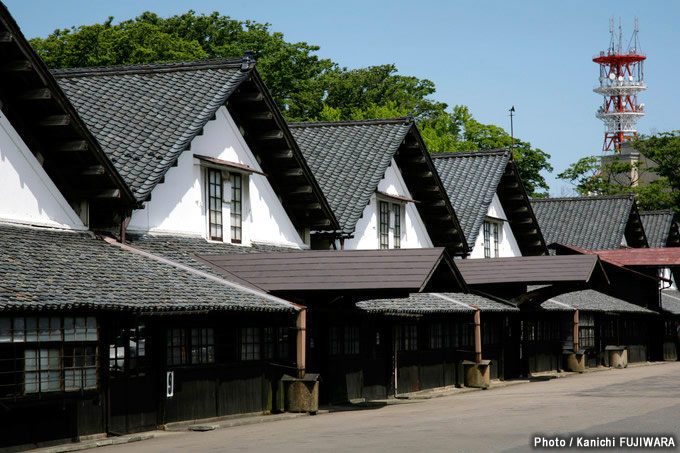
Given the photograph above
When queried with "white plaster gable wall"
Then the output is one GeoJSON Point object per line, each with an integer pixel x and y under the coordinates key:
{"type": "Point", "coordinates": [413, 235]}
{"type": "Point", "coordinates": [508, 244]}
{"type": "Point", "coordinates": [178, 205]}
{"type": "Point", "coordinates": [28, 194]}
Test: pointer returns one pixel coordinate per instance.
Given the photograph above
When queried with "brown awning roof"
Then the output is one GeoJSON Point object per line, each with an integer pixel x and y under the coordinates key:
{"type": "Point", "coordinates": [411, 270]}
{"type": "Point", "coordinates": [655, 257]}
{"type": "Point", "coordinates": [228, 164]}
{"type": "Point", "coordinates": [531, 269]}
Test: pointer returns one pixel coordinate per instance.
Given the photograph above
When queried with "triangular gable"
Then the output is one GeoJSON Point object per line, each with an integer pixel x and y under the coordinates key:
{"type": "Point", "coordinates": [158, 109]}
{"type": "Point", "coordinates": [473, 178]}
{"type": "Point", "coordinates": [49, 125]}
{"type": "Point", "coordinates": [350, 158]}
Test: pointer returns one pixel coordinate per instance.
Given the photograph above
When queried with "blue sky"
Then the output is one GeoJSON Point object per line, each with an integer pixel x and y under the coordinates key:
{"type": "Point", "coordinates": [488, 55]}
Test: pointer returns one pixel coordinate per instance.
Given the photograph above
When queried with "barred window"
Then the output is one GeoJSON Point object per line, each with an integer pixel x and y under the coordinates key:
{"type": "Point", "coordinates": [50, 354]}
{"type": "Point", "coordinates": [177, 348]}
{"type": "Point", "coordinates": [269, 342]}
{"type": "Point", "coordinates": [496, 236]}
{"type": "Point", "coordinates": [334, 340]}
{"type": "Point", "coordinates": [215, 203]}
{"type": "Point", "coordinates": [487, 240]}
{"type": "Point", "coordinates": [436, 336]}
{"type": "Point", "coordinates": [586, 331]}
{"type": "Point", "coordinates": [396, 208]}
{"type": "Point", "coordinates": [384, 224]}
{"type": "Point", "coordinates": [283, 341]}
{"type": "Point", "coordinates": [202, 345]}
{"type": "Point", "coordinates": [236, 207]}
{"type": "Point", "coordinates": [80, 367]}
{"type": "Point", "coordinates": [407, 337]}
{"type": "Point", "coordinates": [251, 343]}
{"type": "Point", "coordinates": [351, 340]}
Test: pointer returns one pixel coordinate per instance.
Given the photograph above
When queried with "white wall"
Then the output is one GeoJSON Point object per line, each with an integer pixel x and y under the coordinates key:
{"type": "Point", "coordinates": [508, 244]}
{"type": "Point", "coordinates": [178, 205]}
{"type": "Point", "coordinates": [413, 234]}
{"type": "Point", "coordinates": [28, 194]}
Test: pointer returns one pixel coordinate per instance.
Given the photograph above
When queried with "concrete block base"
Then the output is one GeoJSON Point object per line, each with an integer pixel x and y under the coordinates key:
{"type": "Point", "coordinates": [302, 396]}
{"type": "Point", "coordinates": [618, 357]}
{"type": "Point", "coordinates": [477, 375]}
{"type": "Point", "coordinates": [575, 362]}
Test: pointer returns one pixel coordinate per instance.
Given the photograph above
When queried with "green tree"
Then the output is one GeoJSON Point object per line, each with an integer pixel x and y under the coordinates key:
{"type": "Point", "coordinates": [591, 176]}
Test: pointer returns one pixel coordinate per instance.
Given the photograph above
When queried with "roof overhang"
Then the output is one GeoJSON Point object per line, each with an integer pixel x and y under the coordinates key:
{"type": "Point", "coordinates": [423, 182]}
{"type": "Point", "coordinates": [520, 214]}
{"type": "Point", "coordinates": [268, 137]}
{"type": "Point", "coordinates": [340, 272]}
{"type": "Point", "coordinates": [219, 163]}
{"type": "Point", "coordinates": [533, 270]}
{"type": "Point", "coordinates": [52, 129]}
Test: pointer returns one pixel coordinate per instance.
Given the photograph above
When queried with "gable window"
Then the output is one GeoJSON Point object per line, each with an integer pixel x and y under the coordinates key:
{"type": "Point", "coordinates": [491, 239]}
{"type": "Point", "coordinates": [236, 207]}
{"type": "Point", "coordinates": [396, 208]}
{"type": "Point", "coordinates": [215, 203]}
{"type": "Point", "coordinates": [384, 224]}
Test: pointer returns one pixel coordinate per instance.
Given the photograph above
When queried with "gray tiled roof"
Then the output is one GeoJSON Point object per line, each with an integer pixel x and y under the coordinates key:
{"type": "Point", "coordinates": [471, 180]}
{"type": "Point", "coordinates": [144, 116]}
{"type": "Point", "coordinates": [424, 303]}
{"type": "Point", "coordinates": [670, 301]}
{"type": "Point", "coordinates": [657, 226]}
{"type": "Point", "coordinates": [591, 300]}
{"type": "Point", "coordinates": [593, 223]}
{"type": "Point", "coordinates": [42, 267]}
{"type": "Point", "coordinates": [349, 159]}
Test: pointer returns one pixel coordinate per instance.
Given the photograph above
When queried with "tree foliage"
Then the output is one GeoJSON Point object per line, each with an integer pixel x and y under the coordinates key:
{"type": "Point", "coordinates": [305, 86]}
{"type": "Point", "coordinates": [594, 176]}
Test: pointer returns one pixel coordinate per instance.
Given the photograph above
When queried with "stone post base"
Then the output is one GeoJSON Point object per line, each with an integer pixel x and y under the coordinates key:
{"type": "Point", "coordinates": [618, 356]}
{"type": "Point", "coordinates": [477, 375]}
{"type": "Point", "coordinates": [575, 362]}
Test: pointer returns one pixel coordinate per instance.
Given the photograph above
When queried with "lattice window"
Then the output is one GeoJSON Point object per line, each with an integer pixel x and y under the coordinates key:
{"type": "Point", "coordinates": [251, 343]}
{"type": "Point", "coordinates": [202, 345]}
{"type": "Point", "coordinates": [215, 203]}
{"type": "Point", "coordinates": [586, 331]}
{"type": "Point", "coordinates": [236, 207]}
{"type": "Point", "coordinates": [487, 240]}
{"type": "Point", "coordinates": [352, 340]}
{"type": "Point", "coordinates": [396, 208]}
{"type": "Point", "coordinates": [384, 208]}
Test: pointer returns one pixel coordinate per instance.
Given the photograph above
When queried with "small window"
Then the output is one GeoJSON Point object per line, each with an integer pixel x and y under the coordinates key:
{"type": "Point", "coordinates": [586, 331]}
{"type": "Point", "coordinates": [80, 370]}
{"type": "Point", "coordinates": [269, 342]}
{"type": "Point", "coordinates": [283, 342]}
{"type": "Point", "coordinates": [250, 343]}
{"type": "Point", "coordinates": [177, 351]}
{"type": "Point", "coordinates": [487, 240]}
{"type": "Point", "coordinates": [42, 370]}
{"type": "Point", "coordinates": [202, 345]}
{"type": "Point", "coordinates": [215, 203]}
{"type": "Point", "coordinates": [236, 207]}
{"type": "Point", "coordinates": [396, 208]}
{"type": "Point", "coordinates": [496, 241]}
{"type": "Point", "coordinates": [407, 337]}
{"type": "Point", "coordinates": [436, 336]}
{"type": "Point", "coordinates": [351, 340]}
{"type": "Point", "coordinates": [384, 224]}
{"type": "Point", "coordinates": [334, 340]}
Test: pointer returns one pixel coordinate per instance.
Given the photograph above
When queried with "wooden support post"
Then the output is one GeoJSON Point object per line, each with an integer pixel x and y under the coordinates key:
{"type": "Point", "coordinates": [478, 337]}
{"type": "Point", "coordinates": [301, 325]}
{"type": "Point", "coordinates": [576, 345]}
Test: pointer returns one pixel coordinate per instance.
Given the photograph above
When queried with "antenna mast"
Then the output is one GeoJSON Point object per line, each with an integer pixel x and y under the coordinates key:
{"type": "Point", "coordinates": [621, 79]}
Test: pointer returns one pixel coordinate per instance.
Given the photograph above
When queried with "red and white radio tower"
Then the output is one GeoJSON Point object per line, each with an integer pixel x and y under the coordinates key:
{"type": "Point", "coordinates": [621, 79]}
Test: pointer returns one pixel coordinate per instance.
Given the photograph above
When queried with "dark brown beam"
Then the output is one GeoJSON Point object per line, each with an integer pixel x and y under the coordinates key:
{"type": "Point", "coordinates": [55, 120]}
{"type": "Point", "coordinates": [260, 116]}
{"type": "Point", "coordinates": [311, 206]}
{"type": "Point", "coordinates": [416, 159]}
{"type": "Point", "coordinates": [273, 135]}
{"type": "Point", "coordinates": [301, 190]}
{"type": "Point", "coordinates": [284, 154]}
{"type": "Point", "coordinates": [93, 170]}
{"type": "Point", "coordinates": [16, 66]}
{"type": "Point", "coordinates": [434, 203]}
{"type": "Point", "coordinates": [293, 172]}
{"type": "Point", "coordinates": [72, 146]}
{"type": "Point", "coordinates": [5, 37]}
{"type": "Point", "coordinates": [36, 95]}
{"type": "Point", "coordinates": [250, 97]}
{"type": "Point", "coordinates": [318, 223]}
{"type": "Point", "coordinates": [109, 193]}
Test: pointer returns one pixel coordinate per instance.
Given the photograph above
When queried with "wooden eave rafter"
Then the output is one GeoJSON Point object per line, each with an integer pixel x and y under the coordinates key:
{"type": "Point", "coordinates": [267, 135]}
{"type": "Point", "coordinates": [422, 180]}
{"type": "Point", "coordinates": [51, 128]}
{"type": "Point", "coordinates": [515, 203]}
